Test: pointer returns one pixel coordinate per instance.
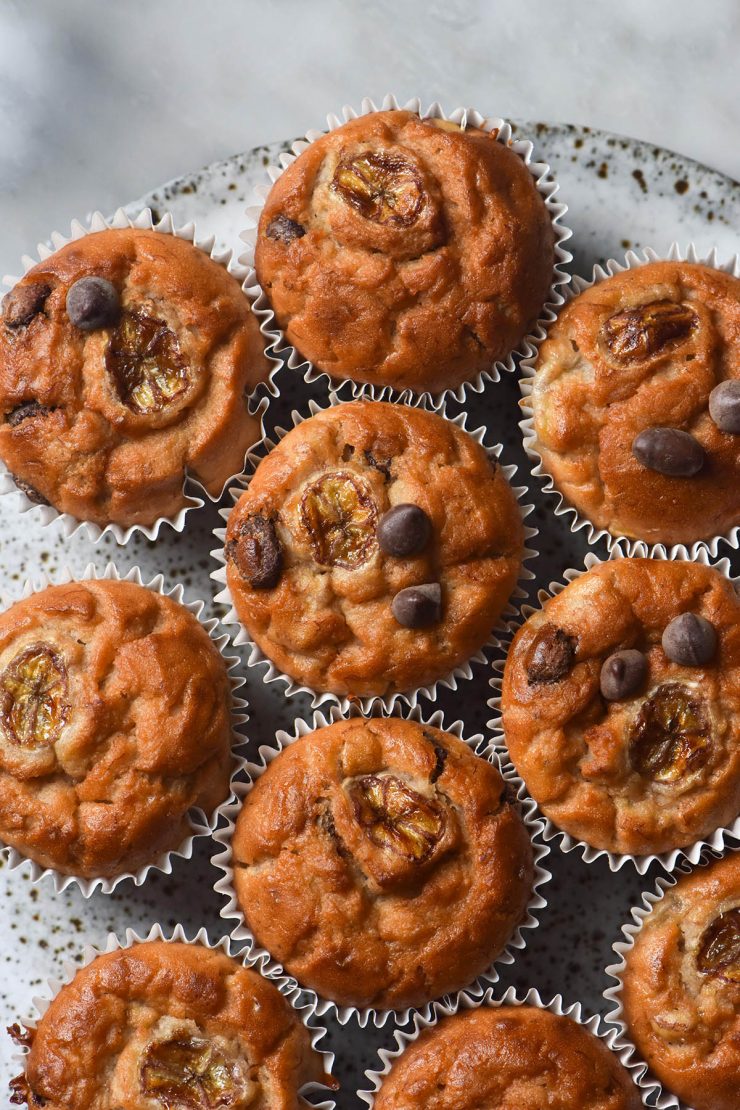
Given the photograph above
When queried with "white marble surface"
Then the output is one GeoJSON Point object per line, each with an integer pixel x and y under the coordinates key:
{"type": "Point", "coordinates": [101, 101]}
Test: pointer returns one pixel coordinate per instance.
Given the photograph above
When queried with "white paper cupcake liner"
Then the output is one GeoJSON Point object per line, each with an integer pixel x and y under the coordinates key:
{"type": "Point", "coordinates": [242, 933]}
{"type": "Point", "coordinates": [69, 524]}
{"type": "Point", "coordinates": [464, 1001]}
{"type": "Point", "coordinates": [200, 823]}
{"type": "Point", "coordinates": [546, 186]}
{"type": "Point", "coordinates": [663, 1099]}
{"type": "Point", "coordinates": [304, 1012]}
{"type": "Point", "coordinates": [667, 860]}
{"type": "Point", "coordinates": [562, 508]}
{"type": "Point", "coordinates": [257, 658]}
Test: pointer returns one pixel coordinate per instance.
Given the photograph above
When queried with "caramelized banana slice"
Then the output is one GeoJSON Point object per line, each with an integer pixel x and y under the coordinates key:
{"type": "Point", "coordinates": [146, 364]}
{"type": "Point", "coordinates": [670, 736]}
{"type": "Point", "coordinates": [339, 515]}
{"type": "Point", "coordinates": [33, 697]}
{"type": "Point", "coordinates": [397, 817]}
{"type": "Point", "coordinates": [635, 334]}
{"type": "Point", "coordinates": [383, 187]}
{"type": "Point", "coordinates": [190, 1074]}
{"type": "Point", "coordinates": [719, 950]}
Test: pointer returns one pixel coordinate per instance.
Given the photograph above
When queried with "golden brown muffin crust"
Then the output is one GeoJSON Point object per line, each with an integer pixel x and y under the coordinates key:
{"type": "Point", "coordinates": [593, 395]}
{"type": "Point", "coordinates": [331, 626]}
{"type": "Point", "coordinates": [399, 252]}
{"type": "Point", "coordinates": [135, 1028]}
{"type": "Point", "coordinates": [114, 722]}
{"type": "Point", "coordinates": [507, 1058]}
{"type": "Point", "coordinates": [681, 987]}
{"type": "Point", "coordinates": [397, 871]}
{"type": "Point", "coordinates": [578, 752]}
{"type": "Point", "coordinates": [68, 434]}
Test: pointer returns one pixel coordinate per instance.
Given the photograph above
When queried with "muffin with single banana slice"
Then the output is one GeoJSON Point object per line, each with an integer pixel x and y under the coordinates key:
{"type": "Point", "coordinates": [165, 1024]}
{"type": "Point", "coordinates": [127, 360]}
{"type": "Point", "coordinates": [374, 549]}
{"type": "Point", "coordinates": [507, 1058]}
{"type": "Point", "coordinates": [114, 724]}
{"type": "Point", "coordinates": [398, 871]}
{"type": "Point", "coordinates": [405, 252]}
{"type": "Point", "coordinates": [621, 705]}
{"type": "Point", "coordinates": [636, 403]}
{"type": "Point", "coordinates": [681, 987]}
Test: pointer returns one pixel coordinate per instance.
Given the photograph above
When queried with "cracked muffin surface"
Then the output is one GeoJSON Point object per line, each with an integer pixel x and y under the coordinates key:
{"type": "Point", "coordinates": [656, 767]}
{"type": "Point", "coordinates": [126, 361]}
{"type": "Point", "coordinates": [114, 723]}
{"type": "Point", "coordinates": [641, 353]}
{"type": "Point", "coordinates": [332, 599]}
{"type": "Point", "coordinates": [165, 1025]}
{"type": "Point", "coordinates": [405, 252]}
{"type": "Point", "coordinates": [507, 1058]}
{"type": "Point", "coordinates": [397, 872]}
{"type": "Point", "coordinates": [681, 987]}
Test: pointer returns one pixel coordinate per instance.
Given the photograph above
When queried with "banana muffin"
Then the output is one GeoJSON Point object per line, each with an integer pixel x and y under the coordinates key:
{"type": "Point", "coordinates": [636, 401]}
{"type": "Point", "coordinates": [405, 252]}
{"type": "Point", "coordinates": [621, 705]}
{"type": "Point", "coordinates": [398, 870]}
{"type": "Point", "coordinates": [374, 549]}
{"type": "Point", "coordinates": [681, 987]}
{"type": "Point", "coordinates": [164, 1025]}
{"type": "Point", "coordinates": [114, 723]}
{"type": "Point", "coordinates": [126, 362]}
{"type": "Point", "coordinates": [507, 1058]}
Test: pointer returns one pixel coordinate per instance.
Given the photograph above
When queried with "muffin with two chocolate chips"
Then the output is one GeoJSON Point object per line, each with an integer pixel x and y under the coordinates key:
{"type": "Point", "coordinates": [398, 871]}
{"type": "Point", "coordinates": [374, 549]}
{"type": "Point", "coordinates": [507, 1058]}
{"type": "Point", "coordinates": [405, 252]}
{"type": "Point", "coordinates": [621, 705]}
{"type": "Point", "coordinates": [114, 724]}
{"type": "Point", "coordinates": [636, 403]}
{"type": "Point", "coordinates": [163, 1025]}
{"type": "Point", "coordinates": [127, 359]}
{"type": "Point", "coordinates": [681, 987]}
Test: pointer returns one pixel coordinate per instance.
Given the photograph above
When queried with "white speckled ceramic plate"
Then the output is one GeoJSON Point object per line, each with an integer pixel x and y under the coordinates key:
{"type": "Point", "coordinates": [621, 193]}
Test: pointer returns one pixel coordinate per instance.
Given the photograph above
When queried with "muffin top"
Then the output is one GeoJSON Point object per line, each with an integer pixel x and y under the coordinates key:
{"type": "Point", "coordinates": [637, 402]}
{"type": "Point", "coordinates": [681, 990]}
{"type": "Point", "coordinates": [507, 1058]}
{"type": "Point", "coordinates": [397, 871]}
{"type": "Point", "coordinates": [164, 1025]}
{"type": "Point", "coordinates": [374, 549]}
{"type": "Point", "coordinates": [114, 722]}
{"type": "Point", "coordinates": [621, 703]}
{"type": "Point", "coordinates": [126, 360]}
{"type": "Point", "coordinates": [405, 252]}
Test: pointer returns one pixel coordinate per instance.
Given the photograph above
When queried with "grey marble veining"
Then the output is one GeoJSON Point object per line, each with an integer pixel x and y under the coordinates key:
{"type": "Point", "coordinates": [100, 100]}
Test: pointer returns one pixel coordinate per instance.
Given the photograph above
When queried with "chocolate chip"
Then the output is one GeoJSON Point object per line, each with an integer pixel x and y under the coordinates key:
{"type": "Point", "coordinates": [724, 407]}
{"type": "Point", "coordinates": [440, 759]}
{"type": "Point", "coordinates": [23, 412]}
{"type": "Point", "coordinates": [257, 553]}
{"type": "Point", "coordinates": [93, 303]}
{"type": "Point", "coordinates": [383, 467]}
{"type": "Point", "coordinates": [690, 640]}
{"type": "Point", "coordinates": [669, 451]}
{"type": "Point", "coordinates": [418, 606]}
{"type": "Point", "coordinates": [404, 530]}
{"type": "Point", "coordinates": [24, 302]}
{"type": "Point", "coordinates": [30, 491]}
{"type": "Point", "coordinates": [622, 673]}
{"type": "Point", "coordinates": [284, 230]}
{"type": "Point", "coordinates": [552, 656]}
